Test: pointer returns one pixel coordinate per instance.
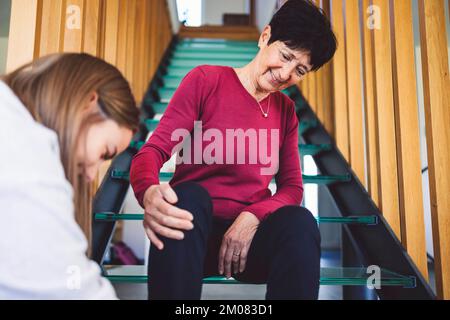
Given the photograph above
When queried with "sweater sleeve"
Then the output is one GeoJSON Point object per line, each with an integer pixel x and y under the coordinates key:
{"type": "Point", "coordinates": [183, 109]}
{"type": "Point", "coordinates": [289, 177]}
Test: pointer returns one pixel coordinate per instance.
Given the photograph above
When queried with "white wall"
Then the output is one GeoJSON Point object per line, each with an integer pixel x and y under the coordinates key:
{"type": "Point", "coordinates": [5, 12]}
{"type": "Point", "coordinates": [173, 15]}
{"type": "Point", "coordinates": [3, 51]}
{"type": "Point", "coordinates": [213, 10]}
{"type": "Point", "coordinates": [264, 12]}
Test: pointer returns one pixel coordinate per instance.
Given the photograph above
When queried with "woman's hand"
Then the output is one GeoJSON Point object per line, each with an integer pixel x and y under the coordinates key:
{"type": "Point", "coordinates": [162, 217]}
{"type": "Point", "coordinates": [236, 243]}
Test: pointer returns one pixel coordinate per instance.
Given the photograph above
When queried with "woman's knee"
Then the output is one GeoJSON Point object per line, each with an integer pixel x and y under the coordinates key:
{"type": "Point", "coordinates": [192, 190]}
{"type": "Point", "coordinates": [295, 215]}
{"type": "Point", "coordinates": [297, 222]}
{"type": "Point", "coordinates": [191, 195]}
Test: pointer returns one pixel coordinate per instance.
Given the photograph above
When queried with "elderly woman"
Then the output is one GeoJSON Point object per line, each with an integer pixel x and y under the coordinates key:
{"type": "Point", "coordinates": [217, 215]}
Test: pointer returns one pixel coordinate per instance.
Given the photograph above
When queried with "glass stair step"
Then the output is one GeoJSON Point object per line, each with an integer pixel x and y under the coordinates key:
{"type": "Point", "coordinates": [213, 56]}
{"type": "Point", "coordinates": [305, 149]}
{"type": "Point", "coordinates": [137, 145]}
{"type": "Point", "coordinates": [306, 125]}
{"type": "Point", "coordinates": [346, 276]}
{"type": "Point", "coordinates": [218, 41]}
{"type": "Point", "coordinates": [363, 220]}
{"type": "Point", "coordinates": [172, 83]}
{"type": "Point", "coordinates": [183, 63]}
{"type": "Point", "coordinates": [221, 49]}
{"type": "Point", "coordinates": [217, 45]}
{"type": "Point", "coordinates": [289, 91]}
{"type": "Point", "coordinates": [125, 175]}
{"type": "Point", "coordinates": [151, 124]}
{"type": "Point", "coordinates": [177, 71]}
{"type": "Point", "coordinates": [158, 107]}
{"type": "Point", "coordinates": [204, 47]}
{"type": "Point", "coordinates": [313, 149]}
{"type": "Point", "coordinates": [122, 175]}
{"type": "Point", "coordinates": [319, 179]}
{"type": "Point", "coordinates": [165, 94]}
{"type": "Point", "coordinates": [326, 180]}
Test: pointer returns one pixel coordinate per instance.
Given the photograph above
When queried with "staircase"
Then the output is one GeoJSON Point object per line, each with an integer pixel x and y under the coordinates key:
{"type": "Point", "coordinates": [367, 239]}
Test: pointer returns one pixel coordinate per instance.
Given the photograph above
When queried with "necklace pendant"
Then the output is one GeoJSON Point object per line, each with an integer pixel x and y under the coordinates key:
{"type": "Point", "coordinates": [264, 114]}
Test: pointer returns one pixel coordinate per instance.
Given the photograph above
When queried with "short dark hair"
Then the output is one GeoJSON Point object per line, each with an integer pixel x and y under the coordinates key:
{"type": "Point", "coordinates": [301, 25]}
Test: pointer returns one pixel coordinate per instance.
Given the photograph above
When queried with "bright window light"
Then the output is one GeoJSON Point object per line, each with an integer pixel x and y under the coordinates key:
{"type": "Point", "coordinates": [311, 191]}
{"type": "Point", "coordinates": [190, 11]}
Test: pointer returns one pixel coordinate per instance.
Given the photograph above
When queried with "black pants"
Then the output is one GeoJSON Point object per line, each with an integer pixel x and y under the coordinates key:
{"type": "Point", "coordinates": [285, 252]}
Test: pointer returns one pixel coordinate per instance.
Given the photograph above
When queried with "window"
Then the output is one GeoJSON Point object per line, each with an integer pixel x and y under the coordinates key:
{"type": "Point", "coordinates": [190, 12]}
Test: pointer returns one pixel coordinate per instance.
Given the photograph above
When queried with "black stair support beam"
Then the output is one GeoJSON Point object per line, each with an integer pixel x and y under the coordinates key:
{"type": "Point", "coordinates": [110, 196]}
{"type": "Point", "coordinates": [111, 193]}
{"type": "Point", "coordinates": [378, 244]}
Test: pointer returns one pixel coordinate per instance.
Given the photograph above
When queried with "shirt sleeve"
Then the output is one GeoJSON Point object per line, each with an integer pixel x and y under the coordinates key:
{"type": "Point", "coordinates": [289, 177]}
{"type": "Point", "coordinates": [184, 108]}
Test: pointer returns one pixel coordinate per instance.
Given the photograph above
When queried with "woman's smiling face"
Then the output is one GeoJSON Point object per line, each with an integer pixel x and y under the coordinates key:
{"type": "Point", "coordinates": [277, 66]}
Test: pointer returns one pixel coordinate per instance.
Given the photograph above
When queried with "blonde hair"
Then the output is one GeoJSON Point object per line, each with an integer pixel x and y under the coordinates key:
{"type": "Point", "coordinates": [56, 89]}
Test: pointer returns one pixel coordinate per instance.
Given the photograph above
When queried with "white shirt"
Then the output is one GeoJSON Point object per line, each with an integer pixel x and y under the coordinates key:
{"type": "Point", "coordinates": [42, 248]}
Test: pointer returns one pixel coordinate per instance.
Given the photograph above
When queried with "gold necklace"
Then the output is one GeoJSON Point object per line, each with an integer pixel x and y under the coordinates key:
{"type": "Point", "coordinates": [265, 114]}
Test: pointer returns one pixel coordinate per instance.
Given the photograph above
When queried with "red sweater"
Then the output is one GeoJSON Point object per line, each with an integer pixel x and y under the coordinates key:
{"type": "Point", "coordinates": [215, 96]}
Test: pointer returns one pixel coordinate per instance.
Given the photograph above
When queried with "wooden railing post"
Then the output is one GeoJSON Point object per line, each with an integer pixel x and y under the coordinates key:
{"type": "Point", "coordinates": [24, 34]}
{"type": "Point", "coordinates": [388, 177]}
{"type": "Point", "coordinates": [436, 85]}
{"type": "Point", "coordinates": [354, 89]}
{"type": "Point", "coordinates": [112, 8]}
{"type": "Point", "coordinates": [328, 84]}
{"type": "Point", "coordinates": [340, 82]}
{"type": "Point", "coordinates": [370, 104]}
{"type": "Point", "coordinates": [408, 140]}
{"type": "Point", "coordinates": [52, 26]}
